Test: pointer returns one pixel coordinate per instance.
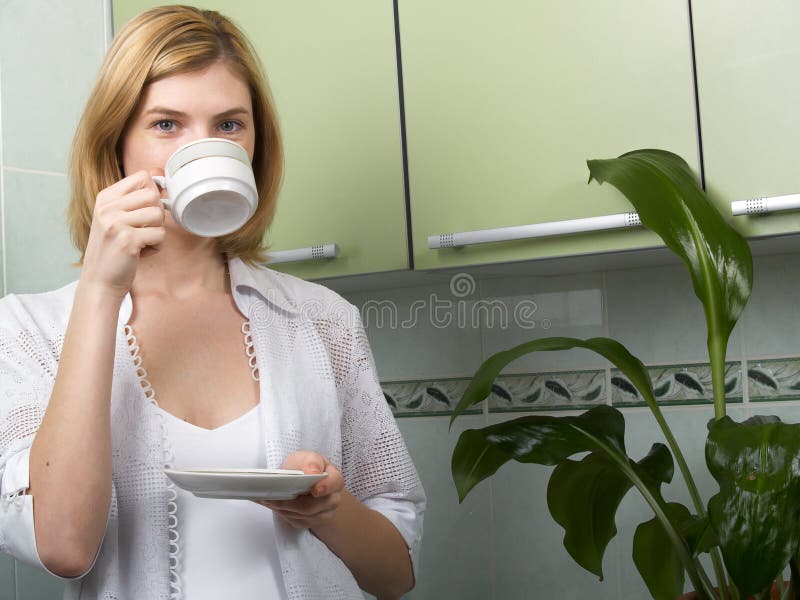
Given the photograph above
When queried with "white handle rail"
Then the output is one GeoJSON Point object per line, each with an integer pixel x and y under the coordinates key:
{"type": "Point", "coordinates": [755, 206]}
{"type": "Point", "coordinates": [311, 253]}
{"type": "Point", "coordinates": [520, 232]}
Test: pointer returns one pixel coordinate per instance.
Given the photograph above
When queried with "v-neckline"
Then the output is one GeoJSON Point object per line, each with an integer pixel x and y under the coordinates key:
{"type": "Point", "coordinates": [177, 419]}
{"type": "Point", "coordinates": [141, 375]}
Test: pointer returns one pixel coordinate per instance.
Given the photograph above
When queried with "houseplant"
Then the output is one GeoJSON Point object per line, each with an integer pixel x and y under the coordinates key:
{"type": "Point", "coordinates": [751, 527]}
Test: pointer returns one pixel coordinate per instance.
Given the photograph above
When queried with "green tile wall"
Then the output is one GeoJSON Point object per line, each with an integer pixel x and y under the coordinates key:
{"type": "Point", "coordinates": [49, 55]}
{"type": "Point", "coordinates": [654, 312]}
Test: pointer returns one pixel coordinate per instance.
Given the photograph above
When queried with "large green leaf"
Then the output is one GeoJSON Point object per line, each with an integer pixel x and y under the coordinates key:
{"type": "Point", "coordinates": [669, 201]}
{"type": "Point", "coordinates": [549, 440]}
{"type": "Point", "coordinates": [481, 384]}
{"type": "Point", "coordinates": [756, 513]}
{"type": "Point", "coordinates": [655, 558]}
{"type": "Point", "coordinates": [541, 439]}
{"type": "Point", "coordinates": [698, 533]}
{"type": "Point", "coordinates": [583, 497]}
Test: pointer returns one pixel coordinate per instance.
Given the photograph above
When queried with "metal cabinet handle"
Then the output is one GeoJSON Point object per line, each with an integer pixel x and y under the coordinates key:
{"type": "Point", "coordinates": [298, 254]}
{"type": "Point", "coordinates": [765, 205]}
{"type": "Point", "coordinates": [520, 232]}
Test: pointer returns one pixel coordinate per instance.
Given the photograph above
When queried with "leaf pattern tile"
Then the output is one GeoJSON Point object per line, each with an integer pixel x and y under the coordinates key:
{"type": "Point", "coordinates": [425, 398]}
{"type": "Point", "coordinates": [678, 384]}
{"type": "Point", "coordinates": [548, 391]}
{"type": "Point", "coordinates": [777, 379]}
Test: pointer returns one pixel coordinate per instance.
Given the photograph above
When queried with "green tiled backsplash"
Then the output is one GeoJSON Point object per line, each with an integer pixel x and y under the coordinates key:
{"type": "Point", "coordinates": [677, 385]}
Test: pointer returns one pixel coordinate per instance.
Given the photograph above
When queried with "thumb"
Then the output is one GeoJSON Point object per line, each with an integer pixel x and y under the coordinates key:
{"type": "Point", "coordinates": [313, 467]}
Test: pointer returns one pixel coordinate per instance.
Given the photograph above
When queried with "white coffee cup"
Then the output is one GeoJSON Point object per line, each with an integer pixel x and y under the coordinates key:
{"type": "Point", "coordinates": [211, 187]}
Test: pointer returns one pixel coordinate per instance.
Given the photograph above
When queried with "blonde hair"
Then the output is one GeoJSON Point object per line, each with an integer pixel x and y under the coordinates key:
{"type": "Point", "coordinates": [158, 43]}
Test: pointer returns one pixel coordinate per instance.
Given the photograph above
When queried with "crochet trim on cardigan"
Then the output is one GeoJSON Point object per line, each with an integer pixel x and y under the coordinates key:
{"type": "Point", "coordinates": [176, 590]}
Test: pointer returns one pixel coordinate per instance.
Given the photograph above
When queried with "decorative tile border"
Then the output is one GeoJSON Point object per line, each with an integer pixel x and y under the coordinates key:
{"type": "Point", "coordinates": [568, 390]}
{"type": "Point", "coordinates": [426, 398]}
{"type": "Point", "coordinates": [768, 380]}
{"type": "Point", "coordinates": [773, 379]}
{"type": "Point", "coordinates": [678, 385]}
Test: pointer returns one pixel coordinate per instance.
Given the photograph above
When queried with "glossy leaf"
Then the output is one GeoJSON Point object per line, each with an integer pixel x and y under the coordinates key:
{"type": "Point", "coordinates": [540, 439]}
{"type": "Point", "coordinates": [583, 497]}
{"type": "Point", "coordinates": [756, 513]}
{"type": "Point", "coordinates": [656, 559]}
{"type": "Point", "coordinates": [549, 440]}
{"type": "Point", "coordinates": [669, 201]}
{"type": "Point", "coordinates": [699, 534]}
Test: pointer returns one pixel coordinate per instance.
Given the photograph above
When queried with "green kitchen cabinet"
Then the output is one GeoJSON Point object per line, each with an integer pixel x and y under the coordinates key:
{"type": "Point", "coordinates": [505, 101]}
{"type": "Point", "coordinates": [749, 92]}
{"type": "Point", "coordinates": [332, 68]}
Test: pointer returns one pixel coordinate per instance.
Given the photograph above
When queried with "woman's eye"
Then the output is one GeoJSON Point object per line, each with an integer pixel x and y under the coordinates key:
{"type": "Point", "coordinates": [165, 125]}
{"type": "Point", "coordinates": [230, 126]}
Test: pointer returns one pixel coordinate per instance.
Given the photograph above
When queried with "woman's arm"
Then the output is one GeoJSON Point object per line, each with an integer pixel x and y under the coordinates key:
{"type": "Point", "coordinates": [70, 459]}
{"type": "Point", "coordinates": [370, 546]}
{"type": "Point", "coordinates": [366, 541]}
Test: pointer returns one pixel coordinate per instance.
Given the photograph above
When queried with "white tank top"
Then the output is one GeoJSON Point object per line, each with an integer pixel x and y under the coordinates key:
{"type": "Point", "coordinates": [227, 547]}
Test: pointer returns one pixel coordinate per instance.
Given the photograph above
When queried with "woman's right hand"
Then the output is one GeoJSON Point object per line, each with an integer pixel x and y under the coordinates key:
{"type": "Point", "coordinates": [128, 216]}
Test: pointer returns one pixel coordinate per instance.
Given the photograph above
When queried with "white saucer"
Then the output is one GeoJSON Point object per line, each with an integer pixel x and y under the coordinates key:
{"type": "Point", "coordinates": [261, 484]}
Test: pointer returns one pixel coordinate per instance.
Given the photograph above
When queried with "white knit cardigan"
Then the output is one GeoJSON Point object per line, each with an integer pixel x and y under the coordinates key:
{"type": "Point", "coordinates": [319, 391]}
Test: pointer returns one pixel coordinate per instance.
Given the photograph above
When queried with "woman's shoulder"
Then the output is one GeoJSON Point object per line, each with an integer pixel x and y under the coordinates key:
{"type": "Point", "coordinates": [301, 296]}
{"type": "Point", "coordinates": [302, 289]}
{"type": "Point", "coordinates": [49, 308]}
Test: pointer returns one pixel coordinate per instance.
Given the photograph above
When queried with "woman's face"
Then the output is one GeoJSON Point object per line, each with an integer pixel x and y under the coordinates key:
{"type": "Point", "coordinates": [176, 110]}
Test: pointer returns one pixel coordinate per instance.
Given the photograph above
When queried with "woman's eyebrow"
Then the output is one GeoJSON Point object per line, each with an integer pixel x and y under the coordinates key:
{"type": "Point", "coordinates": [231, 112]}
{"type": "Point", "coordinates": [169, 112]}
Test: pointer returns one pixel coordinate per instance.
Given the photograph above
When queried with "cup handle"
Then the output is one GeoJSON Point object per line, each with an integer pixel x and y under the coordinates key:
{"type": "Point", "coordinates": [161, 182]}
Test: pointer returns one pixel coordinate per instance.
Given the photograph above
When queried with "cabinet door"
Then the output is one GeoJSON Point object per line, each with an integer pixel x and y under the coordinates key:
{"type": "Point", "coordinates": [749, 93]}
{"type": "Point", "coordinates": [506, 100]}
{"type": "Point", "coordinates": [332, 67]}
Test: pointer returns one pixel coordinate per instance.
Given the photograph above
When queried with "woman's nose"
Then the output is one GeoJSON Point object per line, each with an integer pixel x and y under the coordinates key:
{"type": "Point", "coordinates": [201, 132]}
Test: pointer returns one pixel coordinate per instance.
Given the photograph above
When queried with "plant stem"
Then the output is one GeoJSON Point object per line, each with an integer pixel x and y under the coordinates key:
{"type": "Point", "coordinates": [717, 348]}
{"type": "Point", "coordinates": [697, 502]}
{"type": "Point", "coordinates": [693, 567]}
{"type": "Point", "coordinates": [716, 354]}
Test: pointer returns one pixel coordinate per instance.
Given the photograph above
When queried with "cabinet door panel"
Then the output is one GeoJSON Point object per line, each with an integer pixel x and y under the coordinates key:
{"type": "Point", "coordinates": [505, 101]}
{"type": "Point", "coordinates": [749, 93]}
{"type": "Point", "coordinates": [333, 73]}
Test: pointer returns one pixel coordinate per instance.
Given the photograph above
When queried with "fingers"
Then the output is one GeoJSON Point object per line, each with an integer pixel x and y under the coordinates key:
{"type": "Point", "coordinates": [133, 182]}
{"type": "Point", "coordinates": [128, 217]}
{"type": "Point", "coordinates": [149, 216]}
{"type": "Point", "coordinates": [306, 506]}
{"type": "Point", "coordinates": [317, 507]}
{"type": "Point", "coordinates": [304, 512]}
{"type": "Point", "coordinates": [150, 236]}
{"type": "Point", "coordinates": [306, 461]}
{"type": "Point", "coordinates": [313, 463]}
{"type": "Point", "coordinates": [331, 484]}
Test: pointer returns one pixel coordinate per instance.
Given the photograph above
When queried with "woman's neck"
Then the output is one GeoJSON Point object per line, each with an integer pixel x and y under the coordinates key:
{"type": "Point", "coordinates": [181, 267]}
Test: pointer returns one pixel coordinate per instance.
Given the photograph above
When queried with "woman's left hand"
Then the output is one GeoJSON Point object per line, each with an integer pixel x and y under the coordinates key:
{"type": "Point", "coordinates": [318, 506]}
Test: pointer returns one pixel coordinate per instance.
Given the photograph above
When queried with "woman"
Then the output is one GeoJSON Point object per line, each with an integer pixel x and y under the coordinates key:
{"type": "Point", "coordinates": [173, 349]}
